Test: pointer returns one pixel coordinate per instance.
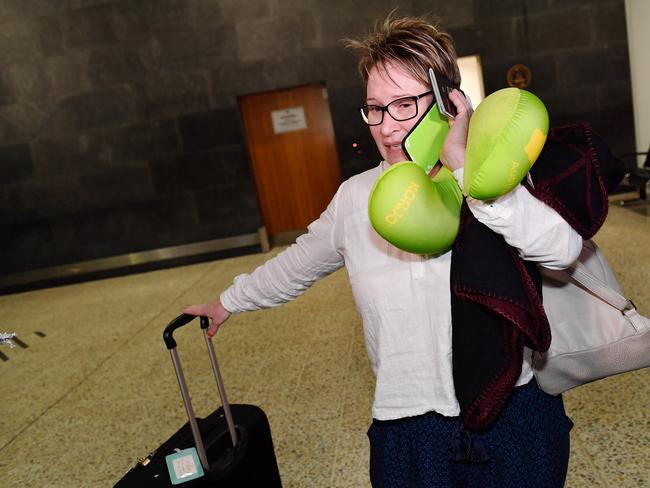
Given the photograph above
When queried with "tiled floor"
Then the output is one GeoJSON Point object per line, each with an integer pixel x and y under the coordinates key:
{"type": "Point", "coordinates": [81, 404]}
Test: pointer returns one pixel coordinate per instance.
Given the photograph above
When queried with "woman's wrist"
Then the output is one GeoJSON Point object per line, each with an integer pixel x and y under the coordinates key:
{"type": "Point", "coordinates": [453, 163]}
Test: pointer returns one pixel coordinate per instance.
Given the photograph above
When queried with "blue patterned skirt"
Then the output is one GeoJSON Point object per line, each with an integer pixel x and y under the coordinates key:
{"type": "Point", "coordinates": [527, 446]}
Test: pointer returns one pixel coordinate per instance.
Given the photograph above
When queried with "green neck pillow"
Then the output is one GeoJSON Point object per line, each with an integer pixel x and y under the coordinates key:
{"type": "Point", "coordinates": [506, 135]}
{"type": "Point", "coordinates": [413, 212]}
{"type": "Point", "coordinates": [421, 215]}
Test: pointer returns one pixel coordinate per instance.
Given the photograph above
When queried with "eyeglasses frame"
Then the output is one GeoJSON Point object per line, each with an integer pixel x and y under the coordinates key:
{"type": "Point", "coordinates": [384, 108]}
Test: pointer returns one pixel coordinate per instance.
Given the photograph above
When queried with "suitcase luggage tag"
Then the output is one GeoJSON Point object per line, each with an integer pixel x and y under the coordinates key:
{"type": "Point", "coordinates": [184, 466]}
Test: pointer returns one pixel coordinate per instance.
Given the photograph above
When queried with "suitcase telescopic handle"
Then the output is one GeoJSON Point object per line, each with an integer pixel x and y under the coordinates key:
{"type": "Point", "coordinates": [177, 323]}
{"type": "Point", "coordinates": [168, 337]}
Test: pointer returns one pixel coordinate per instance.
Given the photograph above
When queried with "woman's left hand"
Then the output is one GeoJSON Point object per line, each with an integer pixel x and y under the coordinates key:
{"type": "Point", "coordinates": [214, 310]}
{"type": "Point", "coordinates": [453, 150]}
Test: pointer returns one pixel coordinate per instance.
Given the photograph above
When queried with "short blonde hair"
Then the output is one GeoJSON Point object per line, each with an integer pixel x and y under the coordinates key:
{"type": "Point", "coordinates": [414, 43]}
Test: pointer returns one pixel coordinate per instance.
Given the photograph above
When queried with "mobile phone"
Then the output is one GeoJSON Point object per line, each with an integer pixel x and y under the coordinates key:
{"type": "Point", "coordinates": [441, 88]}
{"type": "Point", "coordinates": [423, 143]}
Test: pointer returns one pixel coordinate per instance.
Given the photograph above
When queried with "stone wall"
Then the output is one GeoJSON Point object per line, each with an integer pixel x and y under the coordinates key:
{"type": "Point", "coordinates": [119, 124]}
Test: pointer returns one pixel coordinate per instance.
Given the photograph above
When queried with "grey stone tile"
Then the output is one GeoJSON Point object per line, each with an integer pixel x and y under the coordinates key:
{"type": "Point", "coordinates": [70, 154]}
{"type": "Point", "coordinates": [145, 141]}
{"type": "Point", "coordinates": [206, 130]}
{"type": "Point", "coordinates": [560, 29]}
{"type": "Point", "coordinates": [81, 231]}
{"type": "Point", "coordinates": [16, 163]}
{"type": "Point", "coordinates": [20, 38]}
{"type": "Point", "coordinates": [23, 244]}
{"type": "Point", "coordinates": [20, 123]}
{"type": "Point", "coordinates": [164, 53]}
{"type": "Point", "coordinates": [96, 109]}
{"type": "Point", "coordinates": [449, 14]}
{"type": "Point", "coordinates": [117, 63]}
{"type": "Point", "coordinates": [588, 66]}
{"type": "Point", "coordinates": [619, 134]}
{"type": "Point", "coordinates": [27, 9]}
{"type": "Point", "coordinates": [37, 199]}
{"type": "Point", "coordinates": [88, 27]}
{"type": "Point", "coordinates": [609, 22]}
{"type": "Point", "coordinates": [115, 184]}
{"type": "Point", "coordinates": [234, 78]}
{"type": "Point", "coordinates": [615, 100]}
{"type": "Point", "coordinates": [498, 39]}
{"type": "Point", "coordinates": [217, 204]}
{"type": "Point", "coordinates": [172, 95]}
{"type": "Point", "coordinates": [4, 206]}
{"type": "Point", "coordinates": [569, 105]}
{"type": "Point", "coordinates": [227, 165]}
{"type": "Point", "coordinates": [160, 222]}
{"type": "Point", "coordinates": [68, 74]}
{"type": "Point", "coordinates": [27, 80]}
{"type": "Point", "coordinates": [232, 10]}
{"type": "Point", "coordinates": [282, 35]}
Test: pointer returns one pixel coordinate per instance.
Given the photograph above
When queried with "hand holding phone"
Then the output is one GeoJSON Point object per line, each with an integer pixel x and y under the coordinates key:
{"type": "Point", "coordinates": [424, 142]}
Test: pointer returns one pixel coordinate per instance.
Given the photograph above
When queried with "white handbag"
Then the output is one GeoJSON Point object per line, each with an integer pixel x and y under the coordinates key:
{"type": "Point", "coordinates": [595, 331]}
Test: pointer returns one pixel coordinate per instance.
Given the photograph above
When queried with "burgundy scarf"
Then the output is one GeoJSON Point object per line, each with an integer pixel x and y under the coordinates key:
{"type": "Point", "coordinates": [496, 296]}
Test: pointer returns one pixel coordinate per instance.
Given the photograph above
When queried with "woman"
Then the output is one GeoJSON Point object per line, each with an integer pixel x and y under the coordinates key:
{"type": "Point", "coordinates": [404, 299]}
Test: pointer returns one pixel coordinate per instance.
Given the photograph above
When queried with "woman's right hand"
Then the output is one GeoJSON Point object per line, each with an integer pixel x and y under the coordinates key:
{"type": "Point", "coordinates": [452, 154]}
{"type": "Point", "coordinates": [214, 310]}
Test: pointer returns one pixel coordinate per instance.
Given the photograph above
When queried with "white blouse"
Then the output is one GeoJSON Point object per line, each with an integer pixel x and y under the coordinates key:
{"type": "Point", "coordinates": [403, 298]}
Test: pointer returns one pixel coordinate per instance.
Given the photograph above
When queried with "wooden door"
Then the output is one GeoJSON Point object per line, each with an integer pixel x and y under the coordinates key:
{"type": "Point", "coordinates": [293, 153]}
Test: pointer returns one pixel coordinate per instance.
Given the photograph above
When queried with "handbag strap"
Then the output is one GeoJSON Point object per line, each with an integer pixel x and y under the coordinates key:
{"type": "Point", "coordinates": [579, 272]}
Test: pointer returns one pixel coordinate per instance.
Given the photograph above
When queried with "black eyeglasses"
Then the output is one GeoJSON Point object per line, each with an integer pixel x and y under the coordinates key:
{"type": "Point", "coordinates": [401, 109]}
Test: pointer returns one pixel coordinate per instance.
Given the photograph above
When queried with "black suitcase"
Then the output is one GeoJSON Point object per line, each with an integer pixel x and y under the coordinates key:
{"type": "Point", "coordinates": [233, 444]}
